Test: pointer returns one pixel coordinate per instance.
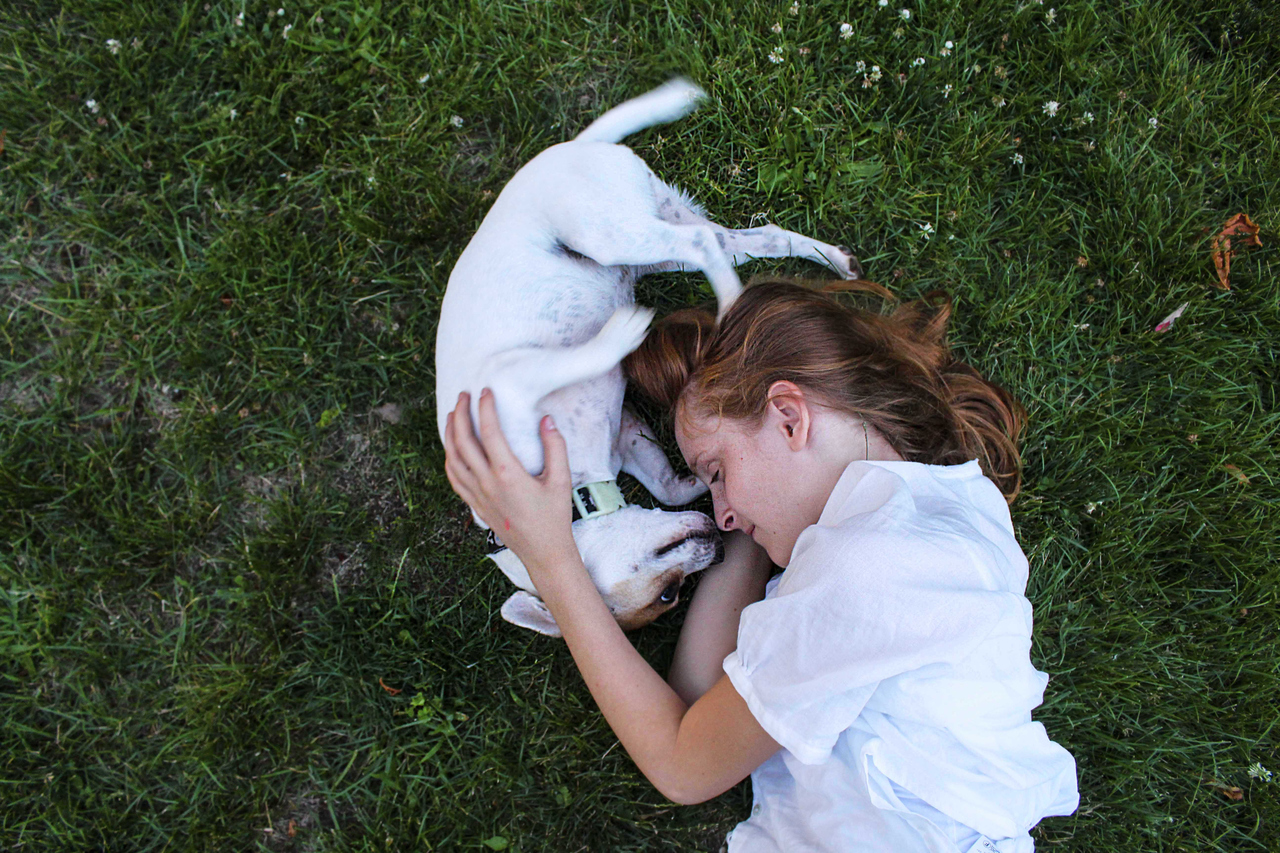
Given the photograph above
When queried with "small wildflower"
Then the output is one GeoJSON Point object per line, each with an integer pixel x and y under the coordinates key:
{"type": "Point", "coordinates": [1257, 771]}
{"type": "Point", "coordinates": [1090, 507]}
{"type": "Point", "coordinates": [456, 121]}
{"type": "Point", "coordinates": [371, 181]}
{"type": "Point", "coordinates": [926, 231]}
{"type": "Point", "coordinates": [976, 69]}
{"type": "Point", "coordinates": [1082, 261]}
{"type": "Point", "coordinates": [113, 45]}
{"type": "Point", "coordinates": [233, 114]}
{"type": "Point", "coordinates": [946, 51]}
{"type": "Point", "coordinates": [899, 32]}
{"type": "Point", "coordinates": [1089, 147]}
{"type": "Point", "coordinates": [238, 20]}
{"type": "Point", "coordinates": [134, 43]}
{"type": "Point", "coordinates": [777, 28]}
{"type": "Point", "coordinates": [946, 91]}
{"type": "Point", "coordinates": [949, 45]}
{"type": "Point", "coordinates": [1082, 326]}
{"type": "Point", "coordinates": [284, 175]}
{"type": "Point", "coordinates": [859, 67]}
{"type": "Point", "coordinates": [875, 74]}
{"type": "Point", "coordinates": [280, 13]}
{"type": "Point", "coordinates": [1017, 159]}
{"type": "Point", "coordinates": [1051, 108]}
{"type": "Point", "coordinates": [866, 83]}
{"type": "Point", "coordinates": [795, 8]}
{"type": "Point", "coordinates": [287, 27]}
{"type": "Point", "coordinates": [804, 51]}
{"type": "Point", "coordinates": [92, 106]}
{"type": "Point", "coordinates": [1153, 122]}
{"type": "Point", "coordinates": [1049, 16]}
{"type": "Point", "coordinates": [846, 31]}
{"type": "Point", "coordinates": [424, 78]}
{"type": "Point", "coordinates": [917, 62]}
{"type": "Point", "coordinates": [775, 55]}
{"type": "Point", "coordinates": [299, 120]}
{"type": "Point", "coordinates": [998, 101]}
{"type": "Point", "coordinates": [884, 3]}
{"type": "Point", "coordinates": [1088, 118]}
{"type": "Point", "coordinates": [1001, 73]}
{"type": "Point", "coordinates": [902, 79]}
{"type": "Point", "coordinates": [904, 14]}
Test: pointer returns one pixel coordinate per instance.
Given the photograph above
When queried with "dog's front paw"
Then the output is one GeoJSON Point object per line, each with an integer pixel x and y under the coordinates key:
{"type": "Point", "coordinates": [846, 264]}
{"type": "Point", "coordinates": [626, 329]}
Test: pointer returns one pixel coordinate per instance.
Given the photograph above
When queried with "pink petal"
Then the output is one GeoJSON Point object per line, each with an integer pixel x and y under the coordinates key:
{"type": "Point", "coordinates": [1167, 323]}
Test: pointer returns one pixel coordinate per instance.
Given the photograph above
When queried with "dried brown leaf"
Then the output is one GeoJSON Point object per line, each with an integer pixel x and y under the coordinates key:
{"type": "Point", "coordinates": [1222, 251]}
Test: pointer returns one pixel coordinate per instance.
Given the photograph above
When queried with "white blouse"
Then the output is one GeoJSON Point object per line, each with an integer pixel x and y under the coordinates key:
{"type": "Point", "coordinates": [890, 661]}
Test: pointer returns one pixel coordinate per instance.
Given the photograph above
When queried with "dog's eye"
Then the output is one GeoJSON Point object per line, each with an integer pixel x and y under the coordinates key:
{"type": "Point", "coordinates": [669, 594]}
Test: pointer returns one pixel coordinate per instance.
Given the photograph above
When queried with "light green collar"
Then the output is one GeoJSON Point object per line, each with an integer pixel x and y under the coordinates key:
{"type": "Point", "coordinates": [595, 499]}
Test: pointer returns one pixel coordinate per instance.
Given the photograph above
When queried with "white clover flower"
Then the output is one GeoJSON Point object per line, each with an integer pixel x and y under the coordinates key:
{"type": "Point", "coordinates": [1017, 159]}
{"type": "Point", "coordinates": [926, 231]}
{"type": "Point", "coordinates": [918, 61]}
{"type": "Point", "coordinates": [1090, 506]}
{"type": "Point", "coordinates": [775, 55]}
{"type": "Point", "coordinates": [233, 114]}
{"type": "Point", "coordinates": [1088, 118]}
{"type": "Point", "coordinates": [904, 14]}
{"type": "Point", "coordinates": [92, 106]}
{"type": "Point", "coordinates": [238, 20]}
{"type": "Point", "coordinates": [883, 3]}
{"type": "Point", "coordinates": [859, 67]}
{"type": "Point", "coordinates": [899, 32]}
{"type": "Point", "coordinates": [113, 45]}
{"type": "Point", "coordinates": [875, 74]}
{"type": "Point", "coordinates": [946, 51]}
{"type": "Point", "coordinates": [1050, 15]}
{"type": "Point", "coordinates": [846, 31]}
{"type": "Point", "coordinates": [1050, 108]}
{"type": "Point", "coordinates": [950, 44]}
{"type": "Point", "coordinates": [299, 120]}
{"type": "Point", "coordinates": [456, 121]}
{"type": "Point", "coordinates": [946, 91]}
{"type": "Point", "coordinates": [287, 27]}
{"type": "Point", "coordinates": [280, 13]}
{"type": "Point", "coordinates": [998, 101]}
{"type": "Point", "coordinates": [371, 181]}
{"type": "Point", "coordinates": [424, 78]}
{"type": "Point", "coordinates": [795, 8]}
{"type": "Point", "coordinates": [777, 28]}
{"type": "Point", "coordinates": [1151, 121]}
{"type": "Point", "coordinates": [804, 51]}
{"type": "Point", "coordinates": [976, 69]}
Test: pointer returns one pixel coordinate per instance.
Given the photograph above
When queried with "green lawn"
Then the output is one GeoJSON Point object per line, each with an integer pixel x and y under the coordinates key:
{"type": "Point", "coordinates": [224, 250]}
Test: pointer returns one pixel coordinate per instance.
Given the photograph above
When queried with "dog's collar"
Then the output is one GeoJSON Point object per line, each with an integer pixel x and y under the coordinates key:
{"type": "Point", "coordinates": [595, 499]}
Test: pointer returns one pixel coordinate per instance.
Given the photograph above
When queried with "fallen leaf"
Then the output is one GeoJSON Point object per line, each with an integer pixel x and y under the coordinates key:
{"type": "Point", "coordinates": [393, 691]}
{"type": "Point", "coordinates": [293, 827]}
{"type": "Point", "coordinates": [1167, 323]}
{"type": "Point", "coordinates": [226, 299]}
{"type": "Point", "coordinates": [1222, 251]}
{"type": "Point", "coordinates": [1229, 791]}
{"type": "Point", "coordinates": [1239, 475]}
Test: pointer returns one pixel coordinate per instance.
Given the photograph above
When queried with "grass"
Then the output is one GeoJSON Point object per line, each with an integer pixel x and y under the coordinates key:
{"type": "Point", "coordinates": [214, 552]}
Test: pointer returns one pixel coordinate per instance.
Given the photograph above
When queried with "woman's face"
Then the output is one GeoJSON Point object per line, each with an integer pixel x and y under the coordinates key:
{"type": "Point", "coordinates": [757, 476]}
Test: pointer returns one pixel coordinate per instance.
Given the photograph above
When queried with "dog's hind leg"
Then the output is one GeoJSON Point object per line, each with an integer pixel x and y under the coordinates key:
{"type": "Point", "coordinates": [643, 458]}
{"type": "Point", "coordinates": [744, 244]}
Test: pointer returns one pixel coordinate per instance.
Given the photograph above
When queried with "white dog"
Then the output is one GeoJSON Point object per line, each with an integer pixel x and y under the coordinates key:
{"type": "Point", "coordinates": [540, 309]}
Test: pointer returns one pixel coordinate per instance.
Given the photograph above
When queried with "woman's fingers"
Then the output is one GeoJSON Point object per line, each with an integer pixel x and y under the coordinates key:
{"type": "Point", "coordinates": [469, 451]}
{"type": "Point", "coordinates": [492, 440]}
{"type": "Point", "coordinates": [555, 454]}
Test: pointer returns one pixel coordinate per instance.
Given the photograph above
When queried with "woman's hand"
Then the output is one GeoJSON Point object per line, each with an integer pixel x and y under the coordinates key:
{"type": "Point", "coordinates": [532, 515]}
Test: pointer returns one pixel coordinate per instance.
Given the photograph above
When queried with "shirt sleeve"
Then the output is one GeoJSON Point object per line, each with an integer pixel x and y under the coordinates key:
{"type": "Point", "coordinates": [860, 602]}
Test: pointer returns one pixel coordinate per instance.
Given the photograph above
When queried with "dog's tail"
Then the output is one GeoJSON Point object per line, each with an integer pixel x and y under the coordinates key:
{"type": "Point", "coordinates": [670, 101]}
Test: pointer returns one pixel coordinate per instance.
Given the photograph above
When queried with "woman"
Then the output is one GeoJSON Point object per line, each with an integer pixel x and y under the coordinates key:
{"type": "Point", "coordinates": [879, 690]}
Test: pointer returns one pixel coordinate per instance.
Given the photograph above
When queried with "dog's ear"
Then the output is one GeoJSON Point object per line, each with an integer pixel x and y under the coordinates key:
{"type": "Point", "coordinates": [528, 611]}
{"type": "Point", "coordinates": [513, 569]}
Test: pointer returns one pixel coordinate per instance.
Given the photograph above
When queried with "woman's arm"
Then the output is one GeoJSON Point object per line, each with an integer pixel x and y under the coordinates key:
{"type": "Point", "coordinates": [690, 754]}
{"type": "Point", "coordinates": [710, 629]}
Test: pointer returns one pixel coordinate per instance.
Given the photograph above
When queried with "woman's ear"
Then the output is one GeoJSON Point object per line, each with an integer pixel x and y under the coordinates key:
{"type": "Point", "coordinates": [788, 412]}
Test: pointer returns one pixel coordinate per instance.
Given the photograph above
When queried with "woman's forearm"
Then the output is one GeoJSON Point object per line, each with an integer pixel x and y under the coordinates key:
{"type": "Point", "coordinates": [643, 711]}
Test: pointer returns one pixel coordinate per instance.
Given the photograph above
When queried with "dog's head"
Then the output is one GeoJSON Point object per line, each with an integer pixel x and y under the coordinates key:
{"type": "Point", "coordinates": [637, 557]}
